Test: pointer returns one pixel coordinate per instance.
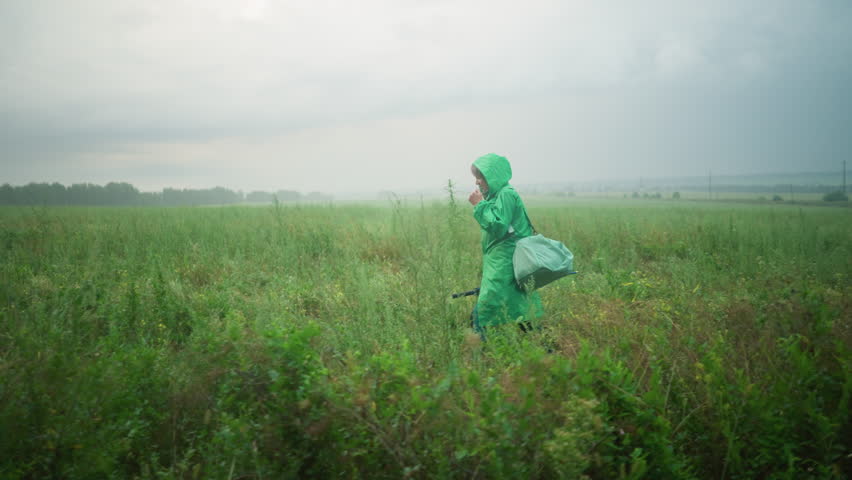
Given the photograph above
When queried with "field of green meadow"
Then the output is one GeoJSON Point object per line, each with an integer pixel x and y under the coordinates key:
{"type": "Point", "coordinates": [700, 340]}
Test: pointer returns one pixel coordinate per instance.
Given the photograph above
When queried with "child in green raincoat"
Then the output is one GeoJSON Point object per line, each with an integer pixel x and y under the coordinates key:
{"type": "Point", "coordinates": [501, 214]}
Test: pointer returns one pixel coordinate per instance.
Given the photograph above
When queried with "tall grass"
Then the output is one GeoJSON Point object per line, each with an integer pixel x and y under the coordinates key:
{"type": "Point", "coordinates": [698, 341]}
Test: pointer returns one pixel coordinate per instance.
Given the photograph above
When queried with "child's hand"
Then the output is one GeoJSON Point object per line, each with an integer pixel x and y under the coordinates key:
{"type": "Point", "coordinates": [475, 197]}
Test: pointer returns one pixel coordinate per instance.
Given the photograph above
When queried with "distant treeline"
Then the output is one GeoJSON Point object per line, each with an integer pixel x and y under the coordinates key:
{"type": "Point", "coordinates": [779, 188]}
{"type": "Point", "coordinates": [118, 194]}
{"type": "Point", "coordinates": [715, 188]}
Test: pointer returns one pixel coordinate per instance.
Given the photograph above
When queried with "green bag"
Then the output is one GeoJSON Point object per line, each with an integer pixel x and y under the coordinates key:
{"type": "Point", "coordinates": [539, 260]}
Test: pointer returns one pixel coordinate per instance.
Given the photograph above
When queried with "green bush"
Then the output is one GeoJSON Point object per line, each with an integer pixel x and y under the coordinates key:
{"type": "Point", "coordinates": [836, 196]}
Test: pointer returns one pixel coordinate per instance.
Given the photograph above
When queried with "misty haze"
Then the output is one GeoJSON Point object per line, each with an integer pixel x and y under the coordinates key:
{"type": "Point", "coordinates": [425, 239]}
{"type": "Point", "coordinates": [377, 96]}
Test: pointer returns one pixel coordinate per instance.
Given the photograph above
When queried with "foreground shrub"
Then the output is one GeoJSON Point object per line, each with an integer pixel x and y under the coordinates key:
{"type": "Point", "coordinates": [385, 417]}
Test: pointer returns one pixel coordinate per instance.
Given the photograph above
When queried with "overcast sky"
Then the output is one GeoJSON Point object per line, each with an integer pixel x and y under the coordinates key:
{"type": "Point", "coordinates": [349, 96]}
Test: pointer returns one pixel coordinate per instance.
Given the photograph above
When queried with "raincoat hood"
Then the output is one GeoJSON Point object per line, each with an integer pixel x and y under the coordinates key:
{"type": "Point", "coordinates": [496, 170]}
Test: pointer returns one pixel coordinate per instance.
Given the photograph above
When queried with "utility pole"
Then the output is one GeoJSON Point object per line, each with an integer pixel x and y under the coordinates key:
{"type": "Point", "coordinates": [792, 200]}
{"type": "Point", "coordinates": [844, 176]}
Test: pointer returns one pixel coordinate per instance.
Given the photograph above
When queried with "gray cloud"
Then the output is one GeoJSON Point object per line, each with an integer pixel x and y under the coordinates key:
{"type": "Point", "coordinates": [247, 93]}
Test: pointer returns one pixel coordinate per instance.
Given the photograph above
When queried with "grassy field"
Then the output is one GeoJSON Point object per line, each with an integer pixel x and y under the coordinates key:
{"type": "Point", "coordinates": [700, 340]}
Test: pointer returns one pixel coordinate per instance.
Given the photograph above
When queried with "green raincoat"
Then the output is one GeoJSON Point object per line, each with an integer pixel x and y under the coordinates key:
{"type": "Point", "coordinates": [502, 217]}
